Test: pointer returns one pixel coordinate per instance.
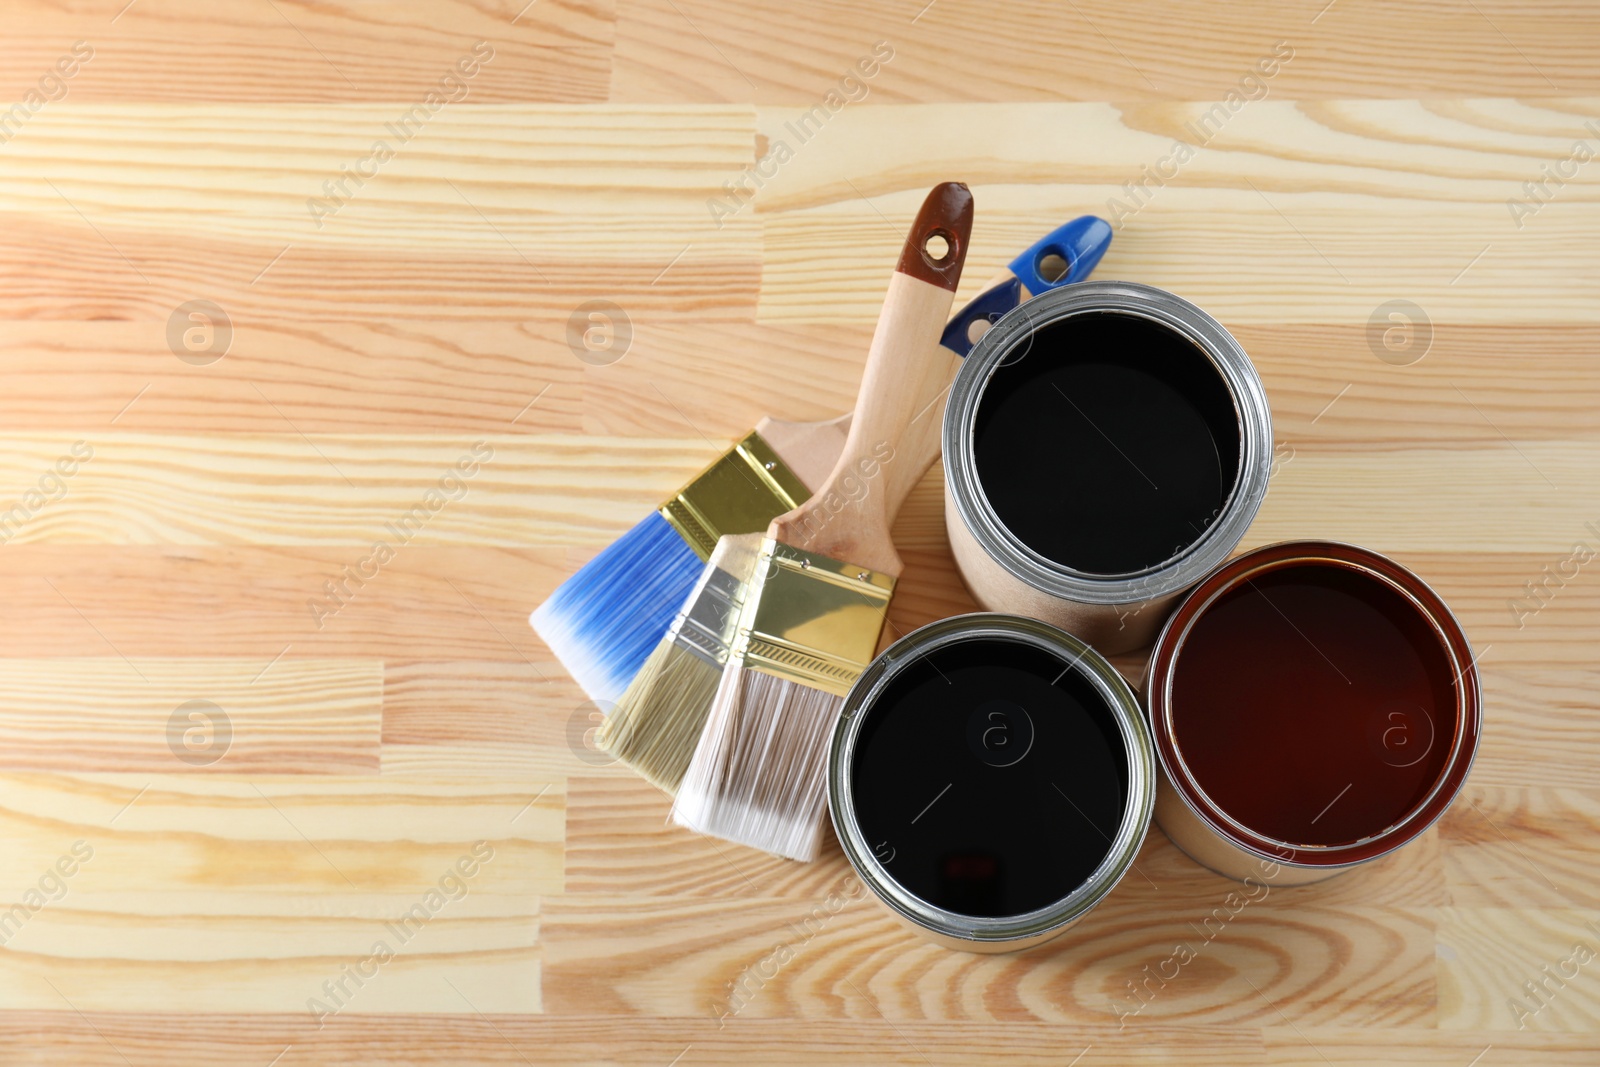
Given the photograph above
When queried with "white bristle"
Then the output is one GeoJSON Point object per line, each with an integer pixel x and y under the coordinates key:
{"type": "Point", "coordinates": [758, 775]}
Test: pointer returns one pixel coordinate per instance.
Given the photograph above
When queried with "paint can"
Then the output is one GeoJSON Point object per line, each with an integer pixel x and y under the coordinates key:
{"type": "Point", "coordinates": [1314, 705]}
{"type": "Point", "coordinates": [1106, 445]}
{"type": "Point", "coordinates": [991, 778]}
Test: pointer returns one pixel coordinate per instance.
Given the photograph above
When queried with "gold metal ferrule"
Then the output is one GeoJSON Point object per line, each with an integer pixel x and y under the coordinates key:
{"type": "Point", "coordinates": [811, 619]}
{"type": "Point", "coordinates": [742, 492]}
{"type": "Point", "coordinates": [709, 622]}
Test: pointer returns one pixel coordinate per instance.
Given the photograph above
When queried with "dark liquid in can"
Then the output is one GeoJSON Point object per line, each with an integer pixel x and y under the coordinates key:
{"type": "Point", "coordinates": [1314, 704]}
{"type": "Point", "coordinates": [1107, 443]}
{"type": "Point", "coordinates": [990, 778]}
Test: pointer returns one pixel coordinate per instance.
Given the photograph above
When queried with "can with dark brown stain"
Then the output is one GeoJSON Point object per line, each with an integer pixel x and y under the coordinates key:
{"type": "Point", "coordinates": [1106, 444]}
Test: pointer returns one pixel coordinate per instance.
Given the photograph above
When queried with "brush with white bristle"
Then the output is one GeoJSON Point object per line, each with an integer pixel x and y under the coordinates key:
{"type": "Point", "coordinates": [817, 601]}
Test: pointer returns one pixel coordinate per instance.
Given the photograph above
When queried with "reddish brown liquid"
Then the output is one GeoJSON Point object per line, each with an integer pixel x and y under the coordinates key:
{"type": "Point", "coordinates": [1314, 705]}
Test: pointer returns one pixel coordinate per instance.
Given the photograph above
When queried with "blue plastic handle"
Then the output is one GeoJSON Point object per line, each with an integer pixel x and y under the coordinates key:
{"type": "Point", "coordinates": [1080, 243]}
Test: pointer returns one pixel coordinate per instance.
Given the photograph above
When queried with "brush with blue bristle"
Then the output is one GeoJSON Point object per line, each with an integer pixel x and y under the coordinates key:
{"type": "Point", "coordinates": [604, 621]}
{"type": "Point", "coordinates": [657, 722]}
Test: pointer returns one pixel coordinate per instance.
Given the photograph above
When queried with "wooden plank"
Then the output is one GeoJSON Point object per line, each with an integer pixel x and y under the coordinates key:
{"type": "Point", "coordinates": [179, 50]}
{"type": "Point", "coordinates": [312, 967]}
{"type": "Point", "coordinates": [1538, 718]}
{"type": "Point", "coordinates": [257, 214]}
{"type": "Point", "coordinates": [491, 717]}
{"type": "Point", "coordinates": [248, 170]}
{"type": "Point", "coordinates": [294, 716]}
{"type": "Point", "coordinates": [444, 377]}
{"type": "Point", "coordinates": [1534, 497]}
{"type": "Point", "coordinates": [1286, 213]}
{"type": "Point", "coordinates": [352, 490]}
{"type": "Point", "coordinates": [1518, 969]}
{"type": "Point", "coordinates": [139, 273]}
{"type": "Point", "coordinates": [642, 956]}
{"type": "Point", "coordinates": [103, 1040]}
{"type": "Point", "coordinates": [430, 603]}
{"type": "Point", "coordinates": [1478, 384]}
{"type": "Point", "coordinates": [1466, 497]}
{"type": "Point", "coordinates": [304, 846]}
{"type": "Point", "coordinates": [1251, 268]}
{"type": "Point", "coordinates": [1511, 847]}
{"type": "Point", "coordinates": [1296, 1047]}
{"type": "Point", "coordinates": [714, 50]}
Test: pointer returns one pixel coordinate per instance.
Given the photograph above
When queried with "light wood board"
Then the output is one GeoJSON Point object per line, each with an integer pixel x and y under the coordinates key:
{"type": "Point", "coordinates": [229, 769]}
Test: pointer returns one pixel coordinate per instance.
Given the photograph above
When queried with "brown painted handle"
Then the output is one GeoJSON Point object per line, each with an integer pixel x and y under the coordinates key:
{"type": "Point", "coordinates": [893, 435]}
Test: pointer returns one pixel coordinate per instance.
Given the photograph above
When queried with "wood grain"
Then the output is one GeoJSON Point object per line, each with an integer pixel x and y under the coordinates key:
{"type": "Point", "coordinates": [295, 716]}
{"type": "Point", "coordinates": [1487, 955]}
{"type": "Point", "coordinates": [654, 956]}
{"type": "Point", "coordinates": [428, 377]}
{"type": "Point", "coordinates": [179, 50]}
{"type": "Point", "coordinates": [378, 331]}
{"type": "Point", "coordinates": [719, 50]}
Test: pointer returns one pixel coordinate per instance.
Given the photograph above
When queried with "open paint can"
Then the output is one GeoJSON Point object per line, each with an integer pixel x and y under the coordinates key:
{"type": "Point", "coordinates": [1105, 445]}
{"type": "Point", "coordinates": [1314, 706]}
{"type": "Point", "coordinates": [991, 779]}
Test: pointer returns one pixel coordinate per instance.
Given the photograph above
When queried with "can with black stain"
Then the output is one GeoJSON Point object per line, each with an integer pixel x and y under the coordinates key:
{"type": "Point", "coordinates": [991, 779]}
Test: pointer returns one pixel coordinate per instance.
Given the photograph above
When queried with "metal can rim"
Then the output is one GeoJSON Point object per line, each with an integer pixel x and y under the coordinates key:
{"type": "Point", "coordinates": [1429, 605]}
{"type": "Point", "coordinates": [1157, 305]}
{"type": "Point", "coordinates": [1137, 746]}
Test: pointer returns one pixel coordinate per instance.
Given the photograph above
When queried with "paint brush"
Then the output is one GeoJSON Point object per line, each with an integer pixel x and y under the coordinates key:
{"type": "Point", "coordinates": [605, 620]}
{"type": "Point", "coordinates": [657, 722]}
{"type": "Point", "coordinates": [820, 590]}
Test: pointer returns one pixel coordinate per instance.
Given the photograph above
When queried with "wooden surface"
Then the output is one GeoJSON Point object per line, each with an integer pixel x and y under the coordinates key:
{"type": "Point", "coordinates": [235, 868]}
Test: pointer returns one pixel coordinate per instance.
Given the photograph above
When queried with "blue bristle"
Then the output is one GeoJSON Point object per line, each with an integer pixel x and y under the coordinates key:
{"type": "Point", "coordinates": [605, 620]}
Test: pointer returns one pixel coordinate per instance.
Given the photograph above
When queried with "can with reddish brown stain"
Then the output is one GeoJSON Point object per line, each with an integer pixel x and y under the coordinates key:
{"type": "Point", "coordinates": [1313, 704]}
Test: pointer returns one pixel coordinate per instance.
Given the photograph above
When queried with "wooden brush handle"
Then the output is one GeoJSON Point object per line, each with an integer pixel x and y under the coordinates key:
{"type": "Point", "coordinates": [809, 448]}
{"type": "Point", "coordinates": [894, 434]}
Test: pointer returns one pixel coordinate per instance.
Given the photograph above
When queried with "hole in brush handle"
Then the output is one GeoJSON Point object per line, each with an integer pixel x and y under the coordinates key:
{"type": "Point", "coordinates": [939, 248]}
